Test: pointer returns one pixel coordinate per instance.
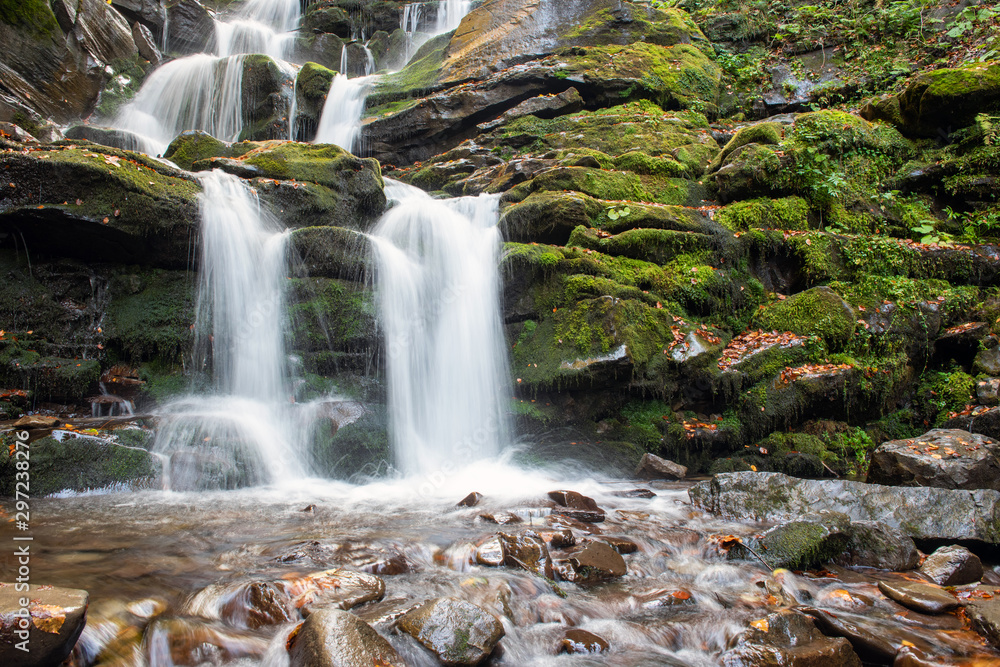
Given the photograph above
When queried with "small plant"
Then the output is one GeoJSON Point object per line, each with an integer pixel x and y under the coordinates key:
{"type": "Point", "coordinates": [615, 213]}
{"type": "Point", "coordinates": [930, 234]}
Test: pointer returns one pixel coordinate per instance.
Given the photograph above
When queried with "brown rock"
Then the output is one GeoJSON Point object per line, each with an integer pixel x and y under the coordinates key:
{"type": "Point", "coordinates": [636, 493]}
{"type": "Point", "coordinates": [526, 551]}
{"type": "Point", "coordinates": [789, 639]}
{"type": "Point", "coordinates": [48, 624]}
{"type": "Point", "coordinates": [942, 458]}
{"type": "Point", "coordinates": [924, 598]}
{"type": "Point", "coordinates": [470, 500]}
{"type": "Point", "coordinates": [574, 500]}
{"type": "Point", "coordinates": [952, 566]}
{"type": "Point", "coordinates": [458, 632]}
{"type": "Point", "coordinates": [594, 563]}
{"type": "Point", "coordinates": [335, 638]}
{"type": "Point", "coordinates": [334, 589]}
{"type": "Point", "coordinates": [502, 518]}
{"type": "Point", "coordinates": [257, 604]}
{"type": "Point", "coordinates": [653, 467]}
{"type": "Point", "coordinates": [580, 641]}
{"type": "Point", "coordinates": [490, 553]}
{"type": "Point", "coordinates": [622, 545]}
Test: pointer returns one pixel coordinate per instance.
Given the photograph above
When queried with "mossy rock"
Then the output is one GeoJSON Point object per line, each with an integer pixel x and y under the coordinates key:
{"type": "Point", "coordinates": [936, 103]}
{"type": "Point", "coordinates": [311, 87]}
{"type": "Point", "coordinates": [150, 316]}
{"type": "Point", "coordinates": [419, 77]}
{"type": "Point", "coordinates": [80, 463]}
{"type": "Point", "coordinates": [34, 16]}
{"type": "Point", "coordinates": [354, 186]}
{"type": "Point", "coordinates": [51, 378]}
{"type": "Point", "coordinates": [549, 216]}
{"type": "Point", "coordinates": [321, 17]}
{"type": "Point", "coordinates": [788, 213]}
{"type": "Point", "coordinates": [760, 133]}
{"type": "Point", "coordinates": [597, 183]}
{"type": "Point", "coordinates": [194, 145]}
{"type": "Point", "coordinates": [265, 92]}
{"type": "Point", "coordinates": [816, 312]}
{"type": "Point", "coordinates": [752, 170]}
{"type": "Point", "coordinates": [100, 203]}
{"type": "Point", "coordinates": [652, 245]}
{"type": "Point", "coordinates": [677, 77]}
{"type": "Point", "coordinates": [329, 252]}
{"type": "Point", "coordinates": [328, 314]}
{"type": "Point", "coordinates": [807, 542]}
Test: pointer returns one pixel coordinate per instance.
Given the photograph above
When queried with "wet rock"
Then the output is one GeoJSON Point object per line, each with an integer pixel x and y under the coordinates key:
{"type": "Point", "coordinates": [188, 641]}
{"type": "Point", "coordinates": [871, 641]}
{"type": "Point", "coordinates": [257, 604]}
{"type": "Point", "coordinates": [490, 553]}
{"type": "Point", "coordinates": [920, 512]}
{"type": "Point", "coordinates": [103, 32]}
{"type": "Point", "coordinates": [470, 500]}
{"type": "Point", "coordinates": [526, 551]}
{"type": "Point", "coordinates": [790, 639]}
{"type": "Point", "coordinates": [577, 506]}
{"type": "Point", "coordinates": [458, 632]}
{"type": "Point", "coordinates": [191, 28]}
{"type": "Point", "coordinates": [542, 106]}
{"type": "Point", "coordinates": [984, 615]}
{"type": "Point", "coordinates": [96, 464]}
{"type": "Point", "coordinates": [988, 361]}
{"type": "Point", "coordinates": [16, 133]}
{"type": "Point", "coordinates": [502, 518]}
{"type": "Point", "coordinates": [944, 458]}
{"type": "Point", "coordinates": [874, 544]}
{"type": "Point", "coordinates": [576, 640]}
{"type": "Point", "coordinates": [146, 43]}
{"type": "Point", "coordinates": [635, 493]}
{"type": "Point", "coordinates": [667, 598]}
{"type": "Point", "coordinates": [924, 598]}
{"type": "Point", "coordinates": [335, 638]}
{"type": "Point", "coordinates": [332, 589]}
{"type": "Point", "coordinates": [595, 563]}
{"type": "Point", "coordinates": [952, 566]}
{"type": "Point", "coordinates": [622, 545]}
{"type": "Point", "coordinates": [797, 545]}
{"type": "Point", "coordinates": [988, 391]}
{"type": "Point", "coordinates": [982, 420]}
{"type": "Point", "coordinates": [44, 621]}
{"type": "Point", "coordinates": [654, 467]}
{"type": "Point", "coordinates": [388, 566]}
{"type": "Point", "coordinates": [106, 136]}
{"type": "Point", "coordinates": [100, 204]}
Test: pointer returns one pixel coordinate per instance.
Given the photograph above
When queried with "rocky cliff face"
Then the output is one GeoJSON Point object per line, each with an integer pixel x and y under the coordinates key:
{"type": "Point", "coordinates": [738, 238]}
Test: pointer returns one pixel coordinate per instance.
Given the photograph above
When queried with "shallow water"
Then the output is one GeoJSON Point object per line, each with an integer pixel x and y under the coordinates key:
{"type": "Point", "coordinates": [166, 547]}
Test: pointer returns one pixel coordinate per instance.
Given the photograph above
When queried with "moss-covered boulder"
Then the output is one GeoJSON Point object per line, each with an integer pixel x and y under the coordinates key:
{"type": "Point", "coordinates": [194, 145]}
{"type": "Point", "coordinates": [321, 17]}
{"type": "Point", "coordinates": [329, 252]}
{"type": "Point", "coordinates": [939, 102]}
{"type": "Point", "coordinates": [99, 203]}
{"type": "Point", "coordinates": [79, 463]}
{"type": "Point", "coordinates": [150, 315]}
{"type": "Point", "coordinates": [335, 180]}
{"type": "Point", "coordinates": [311, 86]}
{"type": "Point", "coordinates": [801, 544]}
{"type": "Point", "coordinates": [760, 133]}
{"type": "Point", "coordinates": [816, 312]}
{"type": "Point", "coordinates": [265, 92]}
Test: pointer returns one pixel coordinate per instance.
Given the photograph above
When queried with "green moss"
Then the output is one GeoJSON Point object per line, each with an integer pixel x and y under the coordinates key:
{"type": "Point", "coordinates": [418, 77]}
{"type": "Point", "coordinates": [789, 213]}
{"type": "Point", "coordinates": [594, 182]}
{"type": "Point", "coordinates": [329, 314]}
{"type": "Point", "coordinates": [33, 15]}
{"type": "Point", "coordinates": [657, 245]}
{"type": "Point", "coordinates": [150, 315]}
{"type": "Point", "coordinates": [325, 164]}
{"type": "Point", "coordinates": [819, 311]}
{"type": "Point", "coordinates": [313, 83]}
{"type": "Point", "coordinates": [191, 146]}
{"type": "Point", "coordinates": [941, 393]}
{"type": "Point", "coordinates": [126, 78]}
{"type": "Point", "coordinates": [761, 133]}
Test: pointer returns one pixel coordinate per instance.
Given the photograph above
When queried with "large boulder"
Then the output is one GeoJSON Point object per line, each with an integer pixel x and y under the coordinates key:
{"type": "Point", "coordinates": [190, 28]}
{"type": "Point", "coordinates": [81, 463]}
{"type": "Point", "coordinates": [99, 204]}
{"type": "Point", "coordinates": [943, 458]}
{"type": "Point", "coordinates": [789, 638]}
{"type": "Point", "coordinates": [806, 542]}
{"type": "Point", "coordinates": [456, 631]}
{"type": "Point", "coordinates": [938, 102]}
{"type": "Point", "coordinates": [874, 544]}
{"type": "Point", "coordinates": [952, 566]}
{"type": "Point", "coordinates": [311, 87]}
{"type": "Point", "coordinates": [920, 512]}
{"type": "Point", "coordinates": [335, 638]}
{"type": "Point", "coordinates": [40, 625]}
{"type": "Point", "coordinates": [818, 311]}
{"type": "Point", "coordinates": [101, 30]}
{"type": "Point", "coordinates": [265, 92]}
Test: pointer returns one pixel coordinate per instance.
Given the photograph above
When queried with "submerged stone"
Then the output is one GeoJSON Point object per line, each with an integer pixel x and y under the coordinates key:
{"type": "Point", "coordinates": [576, 640]}
{"type": "Point", "coordinates": [790, 639]}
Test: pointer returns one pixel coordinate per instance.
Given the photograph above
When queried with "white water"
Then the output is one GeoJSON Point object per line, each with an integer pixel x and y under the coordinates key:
{"type": "Point", "coordinates": [203, 91]}
{"type": "Point", "coordinates": [340, 122]}
{"type": "Point", "coordinates": [248, 426]}
{"type": "Point", "coordinates": [438, 294]}
{"type": "Point", "coordinates": [450, 14]}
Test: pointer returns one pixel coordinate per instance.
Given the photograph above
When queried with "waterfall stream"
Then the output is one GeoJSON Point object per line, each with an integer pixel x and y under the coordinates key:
{"type": "Point", "coordinates": [246, 430]}
{"type": "Point", "coordinates": [438, 293]}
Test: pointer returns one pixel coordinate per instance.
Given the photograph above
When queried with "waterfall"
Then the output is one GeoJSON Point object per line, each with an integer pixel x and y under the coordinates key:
{"type": "Point", "coordinates": [450, 14]}
{"type": "Point", "coordinates": [203, 91]}
{"type": "Point", "coordinates": [200, 92]}
{"type": "Point", "coordinates": [247, 430]}
{"type": "Point", "coordinates": [340, 122]}
{"type": "Point", "coordinates": [438, 293]}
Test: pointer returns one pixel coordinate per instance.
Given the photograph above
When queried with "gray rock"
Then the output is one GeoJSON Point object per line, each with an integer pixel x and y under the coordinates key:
{"type": "Point", "coordinates": [874, 544]}
{"type": "Point", "coordinates": [988, 361]}
{"type": "Point", "coordinates": [48, 619]}
{"type": "Point", "coordinates": [790, 639]}
{"type": "Point", "coordinates": [944, 458]}
{"type": "Point", "coordinates": [458, 632]}
{"type": "Point", "coordinates": [988, 391]}
{"type": "Point", "coordinates": [984, 615]}
{"type": "Point", "coordinates": [16, 133]}
{"type": "Point", "coordinates": [190, 28]}
{"type": "Point", "coordinates": [952, 566]}
{"type": "Point", "coordinates": [335, 638]}
{"type": "Point", "coordinates": [653, 467]}
{"type": "Point", "coordinates": [106, 136]}
{"type": "Point", "coordinates": [103, 32]}
{"type": "Point", "coordinates": [798, 545]}
{"type": "Point", "coordinates": [145, 43]}
{"type": "Point", "coordinates": [543, 106]}
{"type": "Point", "coordinates": [983, 420]}
{"type": "Point", "coordinates": [920, 512]}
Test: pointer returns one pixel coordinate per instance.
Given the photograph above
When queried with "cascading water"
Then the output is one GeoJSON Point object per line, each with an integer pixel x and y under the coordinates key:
{"type": "Point", "coordinates": [438, 293]}
{"type": "Point", "coordinates": [248, 430]}
{"type": "Point", "coordinates": [203, 91]}
{"type": "Point", "coordinates": [340, 122]}
{"type": "Point", "coordinates": [450, 14]}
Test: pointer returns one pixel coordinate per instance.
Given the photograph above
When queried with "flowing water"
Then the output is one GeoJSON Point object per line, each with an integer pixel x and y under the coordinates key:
{"type": "Point", "coordinates": [450, 14]}
{"type": "Point", "coordinates": [438, 291]}
{"type": "Point", "coordinates": [340, 122]}
{"type": "Point", "coordinates": [248, 429]}
{"type": "Point", "coordinates": [204, 91]}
